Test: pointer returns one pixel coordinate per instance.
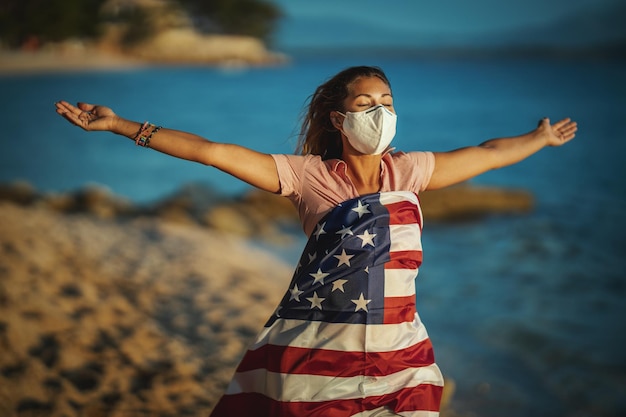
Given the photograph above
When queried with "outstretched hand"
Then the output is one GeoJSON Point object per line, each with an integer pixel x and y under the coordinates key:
{"type": "Point", "coordinates": [559, 133]}
{"type": "Point", "coordinates": [87, 116]}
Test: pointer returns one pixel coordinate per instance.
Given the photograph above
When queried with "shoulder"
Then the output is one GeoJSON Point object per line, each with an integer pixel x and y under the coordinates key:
{"type": "Point", "coordinates": [414, 158]}
{"type": "Point", "coordinates": [411, 170]}
{"type": "Point", "coordinates": [305, 162]}
{"type": "Point", "coordinates": [296, 159]}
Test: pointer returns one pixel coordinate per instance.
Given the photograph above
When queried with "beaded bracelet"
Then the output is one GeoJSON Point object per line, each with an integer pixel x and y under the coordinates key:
{"type": "Point", "coordinates": [147, 142]}
{"type": "Point", "coordinates": [140, 139]}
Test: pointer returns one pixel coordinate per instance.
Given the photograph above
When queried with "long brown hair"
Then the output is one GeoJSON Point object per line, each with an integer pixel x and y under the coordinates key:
{"type": "Point", "coordinates": [318, 136]}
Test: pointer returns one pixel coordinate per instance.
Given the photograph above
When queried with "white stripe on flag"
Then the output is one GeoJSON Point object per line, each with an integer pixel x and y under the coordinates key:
{"type": "Point", "coordinates": [400, 282]}
{"type": "Point", "coordinates": [405, 237]}
{"type": "Point", "coordinates": [382, 412]}
{"type": "Point", "coordinates": [342, 336]}
{"type": "Point", "coordinates": [419, 414]}
{"type": "Point", "coordinates": [315, 388]}
{"type": "Point", "coordinates": [398, 197]}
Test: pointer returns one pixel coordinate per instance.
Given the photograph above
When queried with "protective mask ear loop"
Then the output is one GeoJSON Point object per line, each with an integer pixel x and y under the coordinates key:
{"type": "Point", "coordinates": [340, 123]}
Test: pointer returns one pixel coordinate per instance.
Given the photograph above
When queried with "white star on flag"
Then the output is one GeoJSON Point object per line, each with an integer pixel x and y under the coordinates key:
{"type": "Point", "coordinates": [338, 285]}
{"type": "Point", "coordinates": [316, 301]}
{"type": "Point", "coordinates": [320, 230]}
{"type": "Point", "coordinates": [366, 238]}
{"type": "Point", "coordinates": [319, 276]}
{"type": "Point", "coordinates": [344, 258]}
{"type": "Point", "coordinates": [295, 293]}
{"type": "Point", "coordinates": [345, 231]}
{"type": "Point", "coordinates": [361, 303]}
{"type": "Point", "coordinates": [361, 209]}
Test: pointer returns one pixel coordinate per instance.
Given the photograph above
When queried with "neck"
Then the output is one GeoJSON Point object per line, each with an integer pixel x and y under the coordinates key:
{"type": "Point", "coordinates": [364, 171]}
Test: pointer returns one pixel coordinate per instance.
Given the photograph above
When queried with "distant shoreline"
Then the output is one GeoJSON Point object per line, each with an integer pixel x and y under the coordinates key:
{"type": "Point", "coordinates": [171, 48]}
{"type": "Point", "coordinates": [18, 62]}
{"type": "Point", "coordinates": [27, 62]}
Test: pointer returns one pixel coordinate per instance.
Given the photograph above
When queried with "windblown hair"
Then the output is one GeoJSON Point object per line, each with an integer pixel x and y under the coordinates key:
{"type": "Point", "coordinates": [318, 136]}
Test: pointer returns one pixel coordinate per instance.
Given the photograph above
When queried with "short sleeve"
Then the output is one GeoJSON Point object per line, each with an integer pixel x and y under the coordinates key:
{"type": "Point", "coordinates": [410, 171]}
{"type": "Point", "coordinates": [290, 170]}
{"type": "Point", "coordinates": [425, 163]}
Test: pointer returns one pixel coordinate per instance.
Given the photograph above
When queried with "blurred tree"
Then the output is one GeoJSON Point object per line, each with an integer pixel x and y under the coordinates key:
{"type": "Point", "coordinates": [242, 17]}
{"type": "Point", "coordinates": [47, 20]}
{"type": "Point", "coordinates": [141, 22]}
{"type": "Point", "coordinates": [57, 20]}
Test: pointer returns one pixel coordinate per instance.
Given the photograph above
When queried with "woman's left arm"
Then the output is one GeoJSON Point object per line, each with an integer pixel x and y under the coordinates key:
{"type": "Point", "coordinates": [465, 163]}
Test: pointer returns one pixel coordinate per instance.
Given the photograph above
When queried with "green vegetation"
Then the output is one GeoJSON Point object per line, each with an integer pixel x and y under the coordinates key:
{"type": "Point", "coordinates": [47, 20]}
{"type": "Point", "coordinates": [241, 17]}
{"type": "Point", "coordinates": [55, 20]}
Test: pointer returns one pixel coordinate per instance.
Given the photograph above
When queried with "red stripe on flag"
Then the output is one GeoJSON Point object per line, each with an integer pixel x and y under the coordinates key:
{"type": "Point", "coordinates": [424, 397]}
{"type": "Point", "coordinates": [303, 361]}
{"type": "Point", "coordinates": [399, 309]}
{"type": "Point", "coordinates": [406, 259]}
{"type": "Point", "coordinates": [403, 212]}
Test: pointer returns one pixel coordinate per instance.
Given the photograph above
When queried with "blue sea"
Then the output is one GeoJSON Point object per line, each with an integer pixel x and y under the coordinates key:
{"type": "Point", "coordinates": [527, 313]}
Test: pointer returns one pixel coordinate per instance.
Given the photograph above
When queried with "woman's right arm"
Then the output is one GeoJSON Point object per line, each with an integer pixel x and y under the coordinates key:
{"type": "Point", "coordinates": [255, 168]}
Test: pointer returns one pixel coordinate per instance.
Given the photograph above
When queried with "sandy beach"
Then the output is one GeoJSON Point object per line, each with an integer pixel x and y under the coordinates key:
{"type": "Point", "coordinates": [142, 318]}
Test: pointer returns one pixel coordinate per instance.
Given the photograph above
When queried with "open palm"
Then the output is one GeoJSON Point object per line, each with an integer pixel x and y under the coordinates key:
{"type": "Point", "coordinates": [559, 133]}
{"type": "Point", "coordinates": [87, 116]}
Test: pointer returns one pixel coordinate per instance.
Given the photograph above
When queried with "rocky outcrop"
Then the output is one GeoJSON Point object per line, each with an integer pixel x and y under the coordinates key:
{"type": "Point", "coordinates": [165, 34]}
{"type": "Point", "coordinates": [259, 214]}
{"type": "Point", "coordinates": [467, 202]}
{"type": "Point", "coordinates": [186, 46]}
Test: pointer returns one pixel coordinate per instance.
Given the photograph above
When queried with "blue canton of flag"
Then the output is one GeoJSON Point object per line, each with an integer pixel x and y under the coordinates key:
{"type": "Point", "coordinates": [340, 276]}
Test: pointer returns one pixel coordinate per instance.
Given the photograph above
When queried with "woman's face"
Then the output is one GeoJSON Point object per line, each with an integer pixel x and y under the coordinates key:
{"type": "Point", "coordinates": [367, 92]}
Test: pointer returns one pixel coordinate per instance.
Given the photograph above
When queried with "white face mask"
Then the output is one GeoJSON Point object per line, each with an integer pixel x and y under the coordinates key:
{"type": "Point", "coordinates": [371, 131]}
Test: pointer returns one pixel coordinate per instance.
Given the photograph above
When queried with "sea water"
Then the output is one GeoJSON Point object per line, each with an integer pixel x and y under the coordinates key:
{"type": "Point", "coordinates": [526, 312]}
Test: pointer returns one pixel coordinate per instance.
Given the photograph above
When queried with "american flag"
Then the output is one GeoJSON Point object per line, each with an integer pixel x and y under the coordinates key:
{"type": "Point", "coordinates": [346, 339]}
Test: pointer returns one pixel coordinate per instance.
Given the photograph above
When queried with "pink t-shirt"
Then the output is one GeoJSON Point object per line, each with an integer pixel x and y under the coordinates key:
{"type": "Point", "coordinates": [315, 186]}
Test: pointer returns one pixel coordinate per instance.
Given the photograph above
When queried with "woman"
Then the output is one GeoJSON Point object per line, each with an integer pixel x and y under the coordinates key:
{"type": "Point", "coordinates": [346, 339]}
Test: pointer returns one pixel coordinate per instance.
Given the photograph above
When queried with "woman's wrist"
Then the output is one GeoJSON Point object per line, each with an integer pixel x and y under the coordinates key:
{"type": "Point", "coordinates": [542, 134]}
{"type": "Point", "coordinates": [124, 127]}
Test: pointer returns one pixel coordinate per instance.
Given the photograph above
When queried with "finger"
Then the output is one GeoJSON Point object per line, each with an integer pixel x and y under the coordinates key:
{"type": "Point", "coordinates": [569, 131]}
{"type": "Point", "coordinates": [71, 118]}
{"type": "Point", "coordinates": [85, 106]}
{"type": "Point", "coordinates": [74, 119]}
{"type": "Point", "coordinates": [64, 106]}
{"type": "Point", "coordinates": [561, 123]}
{"type": "Point", "coordinates": [570, 126]}
{"type": "Point", "coordinates": [567, 137]}
{"type": "Point", "coordinates": [566, 128]}
{"type": "Point", "coordinates": [61, 106]}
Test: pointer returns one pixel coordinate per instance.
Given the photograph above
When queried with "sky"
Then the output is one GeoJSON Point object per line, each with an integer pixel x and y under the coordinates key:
{"type": "Point", "coordinates": [432, 22]}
